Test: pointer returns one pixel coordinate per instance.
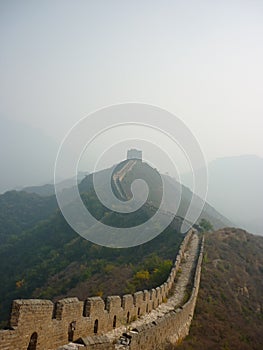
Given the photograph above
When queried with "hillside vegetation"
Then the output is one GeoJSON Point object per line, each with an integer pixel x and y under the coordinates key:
{"type": "Point", "coordinates": [229, 310]}
{"type": "Point", "coordinates": [20, 211]}
{"type": "Point", "coordinates": [51, 261]}
{"type": "Point", "coordinates": [42, 257]}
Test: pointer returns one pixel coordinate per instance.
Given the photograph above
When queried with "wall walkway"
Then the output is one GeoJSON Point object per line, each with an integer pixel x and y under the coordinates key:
{"type": "Point", "coordinates": [42, 325]}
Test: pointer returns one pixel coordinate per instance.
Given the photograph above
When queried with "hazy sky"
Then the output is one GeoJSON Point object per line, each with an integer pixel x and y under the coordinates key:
{"type": "Point", "coordinates": [201, 60]}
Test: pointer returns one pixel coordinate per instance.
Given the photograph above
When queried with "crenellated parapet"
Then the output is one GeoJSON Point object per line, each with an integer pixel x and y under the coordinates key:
{"type": "Point", "coordinates": [54, 324]}
{"type": "Point", "coordinates": [174, 325]}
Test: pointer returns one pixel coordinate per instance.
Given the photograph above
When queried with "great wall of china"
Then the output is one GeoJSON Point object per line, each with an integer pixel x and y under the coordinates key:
{"type": "Point", "coordinates": [148, 318]}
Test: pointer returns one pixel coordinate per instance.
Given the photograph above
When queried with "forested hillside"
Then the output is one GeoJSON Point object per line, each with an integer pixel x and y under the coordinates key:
{"type": "Point", "coordinates": [51, 261]}
{"type": "Point", "coordinates": [20, 211]}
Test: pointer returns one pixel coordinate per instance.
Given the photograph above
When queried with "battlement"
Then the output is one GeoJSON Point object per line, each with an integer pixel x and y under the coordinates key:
{"type": "Point", "coordinates": [54, 324]}
{"type": "Point", "coordinates": [173, 326]}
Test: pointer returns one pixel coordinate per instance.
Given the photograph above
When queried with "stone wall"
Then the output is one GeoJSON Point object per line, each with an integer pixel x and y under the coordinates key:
{"type": "Point", "coordinates": [174, 326]}
{"type": "Point", "coordinates": [52, 325]}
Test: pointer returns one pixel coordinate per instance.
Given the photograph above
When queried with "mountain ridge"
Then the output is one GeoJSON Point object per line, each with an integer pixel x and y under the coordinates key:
{"type": "Point", "coordinates": [49, 260]}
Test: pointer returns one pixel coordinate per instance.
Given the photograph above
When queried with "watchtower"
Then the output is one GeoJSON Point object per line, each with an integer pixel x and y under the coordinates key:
{"type": "Point", "coordinates": [134, 154]}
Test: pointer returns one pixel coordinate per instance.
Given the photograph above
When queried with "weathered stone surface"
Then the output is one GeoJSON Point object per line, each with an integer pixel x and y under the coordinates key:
{"type": "Point", "coordinates": [170, 322]}
{"type": "Point", "coordinates": [55, 324]}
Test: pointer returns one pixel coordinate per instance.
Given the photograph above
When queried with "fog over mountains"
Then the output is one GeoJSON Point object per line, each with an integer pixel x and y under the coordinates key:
{"type": "Point", "coordinates": [235, 183]}
{"type": "Point", "coordinates": [235, 189]}
{"type": "Point", "coordinates": [27, 155]}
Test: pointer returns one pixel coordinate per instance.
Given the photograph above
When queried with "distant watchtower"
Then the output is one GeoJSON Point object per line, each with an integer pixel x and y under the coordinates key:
{"type": "Point", "coordinates": [134, 154]}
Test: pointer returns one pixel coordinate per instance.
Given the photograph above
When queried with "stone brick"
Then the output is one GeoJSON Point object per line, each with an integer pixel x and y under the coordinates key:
{"type": "Point", "coordinates": [70, 319]}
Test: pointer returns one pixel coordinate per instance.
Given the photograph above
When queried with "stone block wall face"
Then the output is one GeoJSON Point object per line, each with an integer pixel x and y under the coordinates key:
{"type": "Point", "coordinates": [172, 327]}
{"type": "Point", "coordinates": [69, 318]}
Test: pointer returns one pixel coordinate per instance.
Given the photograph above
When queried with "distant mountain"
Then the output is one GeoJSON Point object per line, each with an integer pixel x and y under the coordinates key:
{"type": "Point", "coordinates": [27, 155]}
{"type": "Point", "coordinates": [209, 213]}
{"type": "Point", "coordinates": [236, 190]}
{"type": "Point", "coordinates": [49, 188]}
{"type": "Point", "coordinates": [229, 306]}
{"type": "Point", "coordinates": [41, 190]}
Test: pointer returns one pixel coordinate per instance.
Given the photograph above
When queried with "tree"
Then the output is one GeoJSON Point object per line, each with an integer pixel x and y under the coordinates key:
{"type": "Point", "coordinates": [205, 225]}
